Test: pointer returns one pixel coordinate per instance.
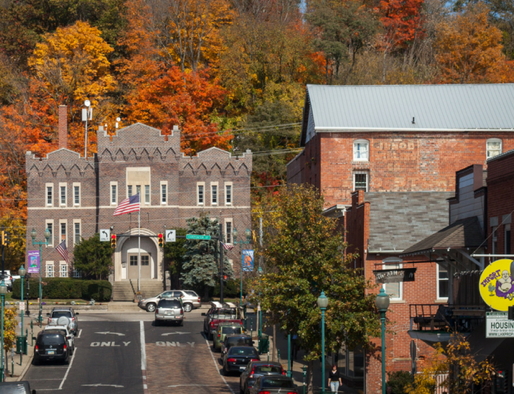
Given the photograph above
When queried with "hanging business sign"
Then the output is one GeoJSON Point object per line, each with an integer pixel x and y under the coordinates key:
{"type": "Point", "coordinates": [498, 325]}
{"type": "Point", "coordinates": [33, 262]}
{"type": "Point", "coordinates": [247, 260]}
{"type": "Point", "coordinates": [497, 284]}
{"type": "Point", "coordinates": [395, 275]}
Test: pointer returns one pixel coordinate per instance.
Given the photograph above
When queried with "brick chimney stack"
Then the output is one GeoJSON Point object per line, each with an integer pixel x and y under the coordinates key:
{"type": "Point", "coordinates": [63, 126]}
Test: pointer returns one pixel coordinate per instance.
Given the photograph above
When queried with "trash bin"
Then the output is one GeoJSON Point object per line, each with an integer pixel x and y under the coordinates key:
{"type": "Point", "coordinates": [21, 345]}
{"type": "Point", "coordinates": [264, 344]}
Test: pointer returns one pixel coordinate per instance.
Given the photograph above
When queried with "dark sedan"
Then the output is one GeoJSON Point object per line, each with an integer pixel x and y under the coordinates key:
{"type": "Point", "coordinates": [274, 384]}
{"type": "Point", "coordinates": [256, 369]}
{"type": "Point", "coordinates": [237, 358]}
{"type": "Point", "coordinates": [236, 340]}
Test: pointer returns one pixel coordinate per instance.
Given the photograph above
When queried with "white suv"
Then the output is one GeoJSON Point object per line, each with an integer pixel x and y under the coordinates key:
{"type": "Point", "coordinates": [190, 300]}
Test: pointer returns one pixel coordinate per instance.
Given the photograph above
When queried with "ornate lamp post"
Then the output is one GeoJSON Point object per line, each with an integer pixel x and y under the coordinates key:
{"type": "Point", "coordinates": [248, 240]}
{"type": "Point", "coordinates": [22, 271]}
{"type": "Point", "coordinates": [33, 234]}
{"type": "Point", "coordinates": [3, 292]}
{"type": "Point", "coordinates": [322, 304]}
{"type": "Point", "coordinates": [382, 303]}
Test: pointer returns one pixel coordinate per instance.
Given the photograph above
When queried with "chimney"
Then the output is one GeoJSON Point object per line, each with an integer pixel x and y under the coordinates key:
{"type": "Point", "coordinates": [63, 126]}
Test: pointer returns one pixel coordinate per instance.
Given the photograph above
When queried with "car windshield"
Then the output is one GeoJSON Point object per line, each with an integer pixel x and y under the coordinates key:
{"type": "Point", "coordinates": [58, 314]}
{"type": "Point", "coordinates": [268, 369]}
{"type": "Point", "coordinates": [270, 382]}
{"type": "Point", "coordinates": [169, 304]}
{"type": "Point", "coordinates": [242, 351]}
{"type": "Point", "coordinates": [238, 341]}
{"type": "Point", "coordinates": [231, 330]}
{"type": "Point", "coordinates": [52, 339]}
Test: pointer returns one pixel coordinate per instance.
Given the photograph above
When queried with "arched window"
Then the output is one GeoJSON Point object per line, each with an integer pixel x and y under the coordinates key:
{"type": "Point", "coordinates": [361, 150]}
{"type": "Point", "coordinates": [493, 147]}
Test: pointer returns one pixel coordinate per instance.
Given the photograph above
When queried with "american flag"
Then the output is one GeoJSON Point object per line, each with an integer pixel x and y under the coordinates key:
{"type": "Point", "coordinates": [128, 205]}
{"type": "Point", "coordinates": [227, 246]}
{"type": "Point", "coordinates": [63, 251]}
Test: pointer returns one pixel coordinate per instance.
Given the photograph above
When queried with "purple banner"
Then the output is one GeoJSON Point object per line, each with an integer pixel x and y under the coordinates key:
{"type": "Point", "coordinates": [34, 262]}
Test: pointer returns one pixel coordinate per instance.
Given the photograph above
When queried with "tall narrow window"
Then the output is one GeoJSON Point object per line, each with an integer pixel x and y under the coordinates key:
{"type": "Point", "coordinates": [147, 194]}
{"type": "Point", "coordinates": [214, 194]}
{"type": "Point", "coordinates": [49, 195]}
{"type": "Point", "coordinates": [138, 191]}
{"type": "Point", "coordinates": [63, 270]}
{"type": "Point", "coordinates": [493, 147]}
{"type": "Point", "coordinates": [393, 290]}
{"type": "Point", "coordinates": [360, 181]}
{"type": "Point", "coordinates": [49, 269]}
{"type": "Point", "coordinates": [76, 233]}
{"type": "Point", "coordinates": [228, 232]}
{"type": "Point", "coordinates": [63, 232]}
{"type": "Point", "coordinates": [228, 194]}
{"type": "Point", "coordinates": [200, 194]}
{"type": "Point", "coordinates": [442, 282]}
{"type": "Point", "coordinates": [361, 150]}
{"type": "Point", "coordinates": [76, 194]}
{"type": "Point", "coordinates": [114, 193]}
{"type": "Point", "coordinates": [164, 193]}
{"type": "Point", "coordinates": [129, 190]}
{"type": "Point", "coordinates": [62, 189]}
{"type": "Point", "coordinates": [50, 226]}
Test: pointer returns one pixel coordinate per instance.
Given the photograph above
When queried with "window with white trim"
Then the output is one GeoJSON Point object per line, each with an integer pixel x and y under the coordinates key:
{"type": "Point", "coordinates": [76, 232]}
{"type": "Point", "coordinates": [228, 231]}
{"type": "Point", "coordinates": [164, 193]}
{"type": "Point", "coordinates": [443, 283]}
{"type": "Point", "coordinates": [360, 181]}
{"type": "Point", "coordinates": [114, 193]}
{"type": "Point", "coordinates": [49, 198]}
{"type": "Point", "coordinates": [138, 191]}
{"type": "Point", "coordinates": [62, 232]}
{"type": "Point", "coordinates": [214, 193]}
{"type": "Point", "coordinates": [49, 268]}
{"type": "Point", "coordinates": [63, 270]}
{"type": "Point", "coordinates": [361, 150]}
{"type": "Point", "coordinates": [393, 290]}
{"type": "Point", "coordinates": [228, 193]}
{"type": "Point", "coordinates": [76, 194]}
{"type": "Point", "coordinates": [147, 194]}
{"type": "Point", "coordinates": [129, 191]}
{"type": "Point", "coordinates": [200, 193]}
{"type": "Point", "coordinates": [50, 226]}
{"type": "Point", "coordinates": [493, 147]}
{"type": "Point", "coordinates": [62, 194]}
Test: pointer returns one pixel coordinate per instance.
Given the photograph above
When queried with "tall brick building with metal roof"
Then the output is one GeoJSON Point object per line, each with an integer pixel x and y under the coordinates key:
{"type": "Point", "coordinates": [75, 196]}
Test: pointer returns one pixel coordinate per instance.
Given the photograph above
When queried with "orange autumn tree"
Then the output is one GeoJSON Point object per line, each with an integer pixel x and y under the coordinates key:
{"type": "Point", "coordinates": [469, 49]}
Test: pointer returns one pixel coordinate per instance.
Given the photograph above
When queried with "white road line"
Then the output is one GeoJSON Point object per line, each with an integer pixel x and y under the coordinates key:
{"type": "Point", "coordinates": [216, 366]}
{"type": "Point", "coordinates": [69, 367]}
{"type": "Point", "coordinates": [143, 349]}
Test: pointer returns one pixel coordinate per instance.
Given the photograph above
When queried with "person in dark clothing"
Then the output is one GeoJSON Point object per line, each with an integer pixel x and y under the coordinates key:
{"type": "Point", "coordinates": [334, 379]}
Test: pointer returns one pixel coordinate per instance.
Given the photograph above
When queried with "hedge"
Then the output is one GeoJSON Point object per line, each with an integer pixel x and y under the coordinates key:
{"type": "Point", "coordinates": [64, 288]}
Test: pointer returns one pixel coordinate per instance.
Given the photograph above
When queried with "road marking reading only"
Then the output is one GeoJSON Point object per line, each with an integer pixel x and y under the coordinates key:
{"type": "Point", "coordinates": [177, 344]}
{"type": "Point", "coordinates": [108, 344]}
{"type": "Point", "coordinates": [110, 332]}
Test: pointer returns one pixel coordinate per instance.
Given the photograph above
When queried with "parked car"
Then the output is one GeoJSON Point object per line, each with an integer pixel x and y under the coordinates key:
{"type": "Point", "coordinates": [256, 369]}
{"type": "Point", "coordinates": [20, 387]}
{"type": "Point", "coordinates": [7, 278]}
{"type": "Point", "coordinates": [237, 358]}
{"type": "Point", "coordinates": [274, 384]}
{"type": "Point", "coordinates": [67, 333]}
{"type": "Point", "coordinates": [189, 298]}
{"type": "Point", "coordinates": [236, 340]}
{"type": "Point", "coordinates": [169, 309]}
{"type": "Point", "coordinates": [222, 331]}
{"type": "Point", "coordinates": [51, 345]}
{"type": "Point", "coordinates": [219, 312]}
{"type": "Point", "coordinates": [64, 311]}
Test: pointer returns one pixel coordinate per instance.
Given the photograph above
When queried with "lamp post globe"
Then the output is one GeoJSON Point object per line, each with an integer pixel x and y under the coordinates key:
{"type": "Point", "coordinates": [382, 303]}
{"type": "Point", "coordinates": [322, 304]}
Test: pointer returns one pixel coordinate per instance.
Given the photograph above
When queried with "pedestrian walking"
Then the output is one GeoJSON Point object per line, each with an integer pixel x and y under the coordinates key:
{"type": "Point", "coordinates": [334, 379]}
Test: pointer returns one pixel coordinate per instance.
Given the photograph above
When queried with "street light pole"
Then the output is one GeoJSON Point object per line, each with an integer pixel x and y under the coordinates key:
{"type": "Point", "coordinates": [248, 240]}
{"type": "Point", "coordinates": [3, 291]}
{"type": "Point", "coordinates": [33, 234]}
{"type": "Point", "coordinates": [322, 304]}
{"type": "Point", "coordinates": [23, 339]}
{"type": "Point", "coordinates": [382, 303]}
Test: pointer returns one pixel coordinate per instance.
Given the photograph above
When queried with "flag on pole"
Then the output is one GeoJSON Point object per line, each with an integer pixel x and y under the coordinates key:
{"type": "Point", "coordinates": [128, 205]}
{"type": "Point", "coordinates": [63, 251]}
{"type": "Point", "coordinates": [227, 246]}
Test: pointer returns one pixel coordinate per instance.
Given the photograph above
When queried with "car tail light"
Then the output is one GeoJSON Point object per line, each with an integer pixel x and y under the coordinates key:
{"type": "Point", "coordinates": [36, 348]}
{"type": "Point", "coordinates": [264, 392]}
{"type": "Point", "coordinates": [181, 311]}
{"type": "Point", "coordinates": [251, 373]}
{"type": "Point", "coordinates": [64, 347]}
{"type": "Point", "coordinates": [156, 310]}
{"type": "Point", "coordinates": [231, 360]}
{"type": "Point", "coordinates": [284, 372]}
{"type": "Point", "coordinates": [219, 335]}
{"type": "Point", "coordinates": [212, 324]}
{"type": "Point", "coordinates": [255, 359]}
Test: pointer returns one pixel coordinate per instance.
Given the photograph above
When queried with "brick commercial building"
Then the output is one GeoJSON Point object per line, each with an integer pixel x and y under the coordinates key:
{"type": "Point", "coordinates": [75, 196]}
{"type": "Point", "coordinates": [385, 159]}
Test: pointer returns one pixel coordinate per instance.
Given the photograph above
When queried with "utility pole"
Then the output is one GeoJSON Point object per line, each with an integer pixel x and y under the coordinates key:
{"type": "Point", "coordinates": [220, 246]}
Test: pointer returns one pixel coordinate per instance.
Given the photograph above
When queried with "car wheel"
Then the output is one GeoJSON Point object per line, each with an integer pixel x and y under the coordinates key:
{"type": "Point", "coordinates": [150, 307]}
{"type": "Point", "coordinates": [188, 307]}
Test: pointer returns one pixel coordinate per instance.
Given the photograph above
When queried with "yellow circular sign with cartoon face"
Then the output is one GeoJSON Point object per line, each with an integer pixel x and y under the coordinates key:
{"type": "Point", "coordinates": [497, 284]}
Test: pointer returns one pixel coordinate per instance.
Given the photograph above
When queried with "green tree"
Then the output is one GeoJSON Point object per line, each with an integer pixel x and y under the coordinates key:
{"type": "Point", "coordinates": [93, 258]}
{"type": "Point", "coordinates": [173, 255]}
{"type": "Point", "coordinates": [304, 254]}
{"type": "Point", "coordinates": [201, 260]}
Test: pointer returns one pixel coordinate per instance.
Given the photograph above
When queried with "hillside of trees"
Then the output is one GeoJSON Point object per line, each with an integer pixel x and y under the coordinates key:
{"type": "Point", "coordinates": [229, 73]}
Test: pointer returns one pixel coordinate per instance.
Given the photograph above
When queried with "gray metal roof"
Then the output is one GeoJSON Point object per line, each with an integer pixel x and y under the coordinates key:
{"type": "Point", "coordinates": [399, 220]}
{"type": "Point", "coordinates": [395, 107]}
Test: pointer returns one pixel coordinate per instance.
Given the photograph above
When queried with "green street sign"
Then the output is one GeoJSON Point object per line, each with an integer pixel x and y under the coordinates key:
{"type": "Point", "coordinates": [197, 236]}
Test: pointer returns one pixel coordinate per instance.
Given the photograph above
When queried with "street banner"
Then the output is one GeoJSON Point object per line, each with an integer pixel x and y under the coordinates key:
{"type": "Point", "coordinates": [497, 284]}
{"type": "Point", "coordinates": [247, 260]}
{"type": "Point", "coordinates": [33, 262]}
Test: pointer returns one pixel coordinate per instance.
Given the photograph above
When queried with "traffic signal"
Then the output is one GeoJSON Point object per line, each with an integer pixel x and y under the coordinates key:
{"type": "Point", "coordinates": [3, 238]}
{"type": "Point", "coordinates": [161, 240]}
{"type": "Point", "coordinates": [113, 241]}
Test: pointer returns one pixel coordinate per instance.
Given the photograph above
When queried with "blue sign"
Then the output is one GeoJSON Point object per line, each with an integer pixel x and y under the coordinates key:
{"type": "Point", "coordinates": [247, 260]}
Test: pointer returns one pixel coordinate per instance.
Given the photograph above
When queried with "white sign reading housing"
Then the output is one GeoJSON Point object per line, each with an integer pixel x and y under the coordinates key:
{"type": "Point", "coordinates": [498, 326]}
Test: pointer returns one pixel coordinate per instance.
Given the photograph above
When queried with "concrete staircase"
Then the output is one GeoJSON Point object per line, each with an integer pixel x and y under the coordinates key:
{"type": "Point", "coordinates": [126, 290]}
